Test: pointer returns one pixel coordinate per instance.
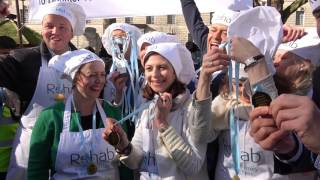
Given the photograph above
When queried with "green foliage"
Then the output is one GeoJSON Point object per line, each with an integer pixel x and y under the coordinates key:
{"type": "Point", "coordinates": [9, 28]}
{"type": "Point", "coordinates": [32, 37]}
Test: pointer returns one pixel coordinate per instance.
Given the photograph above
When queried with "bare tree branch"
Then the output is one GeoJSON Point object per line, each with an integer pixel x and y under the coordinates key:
{"type": "Point", "coordinates": [256, 3]}
{"type": "Point", "coordinates": [291, 9]}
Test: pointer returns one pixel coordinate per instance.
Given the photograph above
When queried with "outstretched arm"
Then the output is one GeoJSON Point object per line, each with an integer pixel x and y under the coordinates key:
{"type": "Point", "coordinates": [198, 30]}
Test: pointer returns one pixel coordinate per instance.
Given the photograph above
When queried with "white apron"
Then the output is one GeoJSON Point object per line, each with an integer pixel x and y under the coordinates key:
{"type": "Point", "coordinates": [47, 87]}
{"type": "Point", "coordinates": [255, 163]}
{"type": "Point", "coordinates": [156, 158]}
{"type": "Point", "coordinates": [149, 167]}
{"type": "Point", "coordinates": [71, 161]}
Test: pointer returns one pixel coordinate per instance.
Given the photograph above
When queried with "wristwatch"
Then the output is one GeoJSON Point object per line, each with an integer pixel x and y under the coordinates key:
{"type": "Point", "coordinates": [252, 61]}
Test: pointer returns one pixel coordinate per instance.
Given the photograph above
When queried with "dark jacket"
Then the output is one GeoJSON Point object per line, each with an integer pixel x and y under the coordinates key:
{"type": "Point", "coordinates": [198, 30]}
{"type": "Point", "coordinates": [20, 69]}
{"type": "Point", "coordinates": [316, 87]}
{"type": "Point", "coordinates": [303, 164]}
{"type": "Point", "coordinates": [199, 33]}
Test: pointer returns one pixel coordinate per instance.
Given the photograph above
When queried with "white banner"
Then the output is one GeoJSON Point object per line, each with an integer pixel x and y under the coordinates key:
{"type": "Point", "coordinates": [105, 9]}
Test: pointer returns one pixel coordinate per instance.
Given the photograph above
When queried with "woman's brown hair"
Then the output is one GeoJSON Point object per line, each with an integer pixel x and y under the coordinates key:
{"type": "Point", "coordinates": [175, 89]}
{"type": "Point", "coordinates": [298, 80]}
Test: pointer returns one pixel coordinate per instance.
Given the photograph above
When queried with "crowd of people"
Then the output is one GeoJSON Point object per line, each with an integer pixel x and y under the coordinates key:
{"type": "Point", "coordinates": [249, 112]}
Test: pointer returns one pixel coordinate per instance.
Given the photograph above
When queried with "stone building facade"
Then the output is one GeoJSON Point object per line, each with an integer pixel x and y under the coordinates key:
{"type": "Point", "coordinates": [173, 24]}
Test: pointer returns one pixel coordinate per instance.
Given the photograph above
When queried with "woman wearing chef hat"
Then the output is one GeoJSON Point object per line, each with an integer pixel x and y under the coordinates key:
{"type": "Point", "coordinates": [67, 138]}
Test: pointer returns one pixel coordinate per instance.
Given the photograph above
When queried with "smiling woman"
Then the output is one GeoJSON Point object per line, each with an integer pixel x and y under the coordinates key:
{"type": "Point", "coordinates": [90, 79]}
{"type": "Point", "coordinates": [159, 73]}
{"type": "Point", "coordinates": [68, 133]}
{"type": "Point", "coordinates": [166, 144]}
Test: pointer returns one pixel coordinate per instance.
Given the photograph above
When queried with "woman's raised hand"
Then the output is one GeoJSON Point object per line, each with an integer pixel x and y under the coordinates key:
{"type": "Point", "coordinates": [115, 135]}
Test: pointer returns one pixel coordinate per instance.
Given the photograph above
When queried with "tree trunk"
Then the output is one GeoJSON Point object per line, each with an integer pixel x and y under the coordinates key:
{"type": "Point", "coordinates": [256, 3]}
{"type": "Point", "coordinates": [278, 4]}
{"type": "Point", "coordinates": [291, 9]}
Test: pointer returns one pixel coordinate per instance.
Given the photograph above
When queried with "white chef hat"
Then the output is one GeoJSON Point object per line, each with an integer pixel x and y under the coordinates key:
{"type": "Point", "coordinates": [155, 37]}
{"type": "Point", "coordinates": [224, 16]}
{"type": "Point", "coordinates": [263, 27]}
{"type": "Point", "coordinates": [307, 47]}
{"type": "Point", "coordinates": [311, 53]}
{"type": "Point", "coordinates": [107, 35]}
{"type": "Point", "coordinates": [236, 5]}
{"type": "Point", "coordinates": [69, 63]}
{"type": "Point", "coordinates": [73, 12]}
{"type": "Point", "coordinates": [314, 4]}
{"type": "Point", "coordinates": [179, 57]}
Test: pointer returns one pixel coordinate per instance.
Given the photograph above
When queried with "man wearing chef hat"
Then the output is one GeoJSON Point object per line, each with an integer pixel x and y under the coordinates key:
{"type": "Point", "coordinates": [26, 72]}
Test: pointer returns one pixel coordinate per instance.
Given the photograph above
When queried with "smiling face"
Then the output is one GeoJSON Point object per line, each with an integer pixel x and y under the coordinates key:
{"type": "Point", "coordinates": [90, 79]}
{"type": "Point", "coordinates": [56, 33]}
{"type": "Point", "coordinates": [217, 35]}
{"type": "Point", "coordinates": [159, 73]}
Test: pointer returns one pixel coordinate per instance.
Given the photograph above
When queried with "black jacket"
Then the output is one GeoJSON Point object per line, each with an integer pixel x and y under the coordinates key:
{"type": "Point", "coordinates": [316, 86]}
{"type": "Point", "coordinates": [20, 69]}
{"type": "Point", "coordinates": [198, 30]}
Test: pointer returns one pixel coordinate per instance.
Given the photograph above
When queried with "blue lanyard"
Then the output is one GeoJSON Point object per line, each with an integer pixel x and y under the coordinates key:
{"type": "Point", "coordinates": [140, 109]}
{"type": "Point", "coordinates": [132, 93]}
{"type": "Point", "coordinates": [234, 122]}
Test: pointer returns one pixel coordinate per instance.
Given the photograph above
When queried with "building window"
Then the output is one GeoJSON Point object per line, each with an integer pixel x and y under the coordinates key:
{"type": "Point", "coordinates": [113, 20]}
{"type": "Point", "coordinates": [24, 14]}
{"type": "Point", "coordinates": [150, 20]}
{"type": "Point", "coordinates": [129, 20]}
{"type": "Point", "coordinates": [211, 15]}
{"type": "Point", "coordinates": [300, 17]}
{"type": "Point", "coordinates": [171, 19]}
